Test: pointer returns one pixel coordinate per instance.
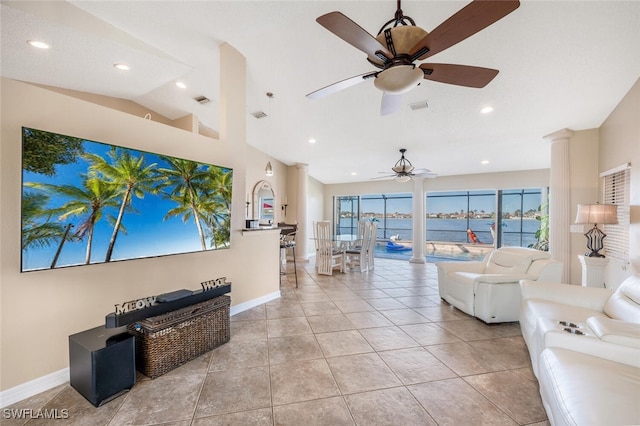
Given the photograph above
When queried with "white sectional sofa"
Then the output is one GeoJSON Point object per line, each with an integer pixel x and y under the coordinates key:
{"type": "Point", "coordinates": [489, 289]}
{"type": "Point", "coordinates": [584, 345]}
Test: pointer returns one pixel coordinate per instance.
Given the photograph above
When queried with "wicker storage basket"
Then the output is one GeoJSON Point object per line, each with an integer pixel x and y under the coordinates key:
{"type": "Point", "coordinates": [167, 341]}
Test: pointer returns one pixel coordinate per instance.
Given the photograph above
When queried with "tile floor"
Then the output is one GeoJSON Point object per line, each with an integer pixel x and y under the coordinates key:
{"type": "Point", "coordinates": [372, 348]}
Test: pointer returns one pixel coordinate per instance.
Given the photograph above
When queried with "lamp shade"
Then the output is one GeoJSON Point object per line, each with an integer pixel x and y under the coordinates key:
{"type": "Point", "coordinates": [597, 213]}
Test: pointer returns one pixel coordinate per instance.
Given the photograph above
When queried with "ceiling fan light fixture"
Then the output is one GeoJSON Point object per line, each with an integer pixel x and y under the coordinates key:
{"type": "Point", "coordinates": [403, 178]}
{"type": "Point", "coordinates": [399, 79]}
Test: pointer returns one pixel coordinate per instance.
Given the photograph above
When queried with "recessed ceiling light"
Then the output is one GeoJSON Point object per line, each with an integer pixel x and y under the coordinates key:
{"type": "Point", "coordinates": [181, 84]}
{"type": "Point", "coordinates": [38, 44]}
{"type": "Point", "coordinates": [486, 110]}
{"type": "Point", "coordinates": [484, 162]}
{"type": "Point", "coordinates": [312, 140]}
{"type": "Point", "coordinates": [353, 173]}
{"type": "Point", "coordinates": [122, 67]}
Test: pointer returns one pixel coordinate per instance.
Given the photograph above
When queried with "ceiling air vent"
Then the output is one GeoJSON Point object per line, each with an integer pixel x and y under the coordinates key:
{"type": "Point", "coordinates": [259, 114]}
{"type": "Point", "coordinates": [202, 100]}
{"type": "Point", "coordinates": [419, 105]}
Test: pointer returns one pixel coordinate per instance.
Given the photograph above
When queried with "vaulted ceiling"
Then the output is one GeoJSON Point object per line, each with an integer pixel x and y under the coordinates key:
{"type": "Point", "coordinates": [562, 64]}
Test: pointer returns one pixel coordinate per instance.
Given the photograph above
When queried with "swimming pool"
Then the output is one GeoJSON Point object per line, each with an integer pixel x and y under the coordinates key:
{"type": "Point", "coordinates": [432, 256]}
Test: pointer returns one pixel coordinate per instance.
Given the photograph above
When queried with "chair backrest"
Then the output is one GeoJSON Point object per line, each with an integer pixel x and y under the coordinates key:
{"type": "Point", "coordinates": [512, 260]}
{"type": "Point", "coordinates": [324, 242]}
{"type": "Point", "coordinates": [288, 234]}
{"type": "Point", "coordinates": [624, 304]}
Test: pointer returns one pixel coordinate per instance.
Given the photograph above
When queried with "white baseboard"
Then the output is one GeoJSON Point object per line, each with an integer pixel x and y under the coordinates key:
{"type": "Point", "coordinates": [254, 302]}
{"type": "Point", "coordinates": [33, 387]}
{"type": "Point", "coordinates": [57, 378]}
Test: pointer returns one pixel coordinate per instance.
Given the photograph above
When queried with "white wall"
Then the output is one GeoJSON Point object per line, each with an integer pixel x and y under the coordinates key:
{"type": "Point", "coordinates": [619, 144]}
{"type": "Point", "coordinates": [39, 310]}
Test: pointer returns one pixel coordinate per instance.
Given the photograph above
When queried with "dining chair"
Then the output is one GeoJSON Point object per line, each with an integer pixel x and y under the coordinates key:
{"type": "Point", "coordinates": [327, 257]}
{"type": "Point", "coordinates": [372, 245]}
{"type": "Point", "coordinates": [358, 255]}
{"type": "Point", "coordinates": [288, 241]}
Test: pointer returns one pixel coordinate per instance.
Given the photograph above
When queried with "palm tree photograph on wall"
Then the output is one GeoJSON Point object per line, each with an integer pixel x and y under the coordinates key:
{"type": "Point", "coordinates": [87, 202]}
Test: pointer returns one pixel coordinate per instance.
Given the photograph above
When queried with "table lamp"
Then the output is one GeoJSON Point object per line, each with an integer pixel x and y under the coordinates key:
{"type": "Point", "coordinates": [596, 214]}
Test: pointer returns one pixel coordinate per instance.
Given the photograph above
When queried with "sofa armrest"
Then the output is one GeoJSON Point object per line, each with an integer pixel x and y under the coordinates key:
{"type": "Point", "coordinates": [573, 295]}
{"type": "Point", "coordinates": [502, 278]}
{"type": "Point", "coordinates": [615, 331]}
{"type": "Point", "coordinates": [471, 266]}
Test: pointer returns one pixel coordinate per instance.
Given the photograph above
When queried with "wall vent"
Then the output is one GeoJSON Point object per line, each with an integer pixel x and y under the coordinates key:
{"type": "Point", "coordinates": [419, 105]}
{"type": "Point", "coordinates": [202, 100]}
{"type": "Point", "coordinates": [259, 114]}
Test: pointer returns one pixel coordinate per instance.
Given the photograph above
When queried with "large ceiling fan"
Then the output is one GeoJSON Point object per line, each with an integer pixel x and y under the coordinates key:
{"type": "Point", "coordinates": [400, 43]}
{"type": "Point", "coordinates": [403, 170]}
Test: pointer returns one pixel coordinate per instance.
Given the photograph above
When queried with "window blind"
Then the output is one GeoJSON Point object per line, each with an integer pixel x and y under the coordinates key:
{"type": "Point", "coordinates": [617, 191]}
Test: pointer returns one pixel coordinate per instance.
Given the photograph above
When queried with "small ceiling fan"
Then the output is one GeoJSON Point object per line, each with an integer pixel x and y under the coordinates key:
{"type": "Point", "coordinates": [396, 48]}
{"type": "Point", "coordinates": [403, 170]}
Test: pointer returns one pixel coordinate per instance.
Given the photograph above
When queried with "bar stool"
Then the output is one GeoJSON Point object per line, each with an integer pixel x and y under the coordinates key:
{"type": "Point", "coordinates": [288, 241]}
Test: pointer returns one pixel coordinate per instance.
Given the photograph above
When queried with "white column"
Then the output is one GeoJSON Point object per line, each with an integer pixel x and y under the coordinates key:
{"type": "Point", "coordinates": [560, 201]}
{"type": "Point", "coordinates": [303, 236]}
{"type": "Point", "coordinates": [593, 271]}
{"type": "Point", "coordinates": [418, 220]}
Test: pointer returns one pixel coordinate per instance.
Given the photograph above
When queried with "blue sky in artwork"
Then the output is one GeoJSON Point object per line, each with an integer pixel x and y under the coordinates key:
{"type": "Point", "coordinates": [148, 233]}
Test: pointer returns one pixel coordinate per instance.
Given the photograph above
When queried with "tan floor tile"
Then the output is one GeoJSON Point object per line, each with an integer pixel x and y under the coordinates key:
{"type": "Point", "coordinates": [404, 316]}
{"type": "Point", "coordinates": [395, 406]}
{"type": "Point", "coordinates": [444, 312]}
{"type": "Point", "coordinates": [360, 373]}
{"type": "Point", "coordinates": [261, 417]}
{"type": "Point", "coordinates": [284, 310]}
{"type": "Point", "coordinates": [320, 308]}
{"type": "Point", "coordinates": [248, 330]}
{"type": "Point", "coordinates": [509, 351]}
{"type": "Point", "coordinates": [464, 359]}
{"type": "Point", "coordinates": [164, 399]}
{"type": "Point", "coordinates": [340, 343]}
{"type": "Point", "coordinates": [232, 391]}
{"type": "Point", "coordinates": [388, 338]}
{"type": "Point", "coordinates": [239, 354]}
{"type": "Point", "coordinates": [519, 399]}
{"type": "Point", "coordinates": [429, 334]}
{"type": "Point", "coordinates": [302, 381]}
{"type": "Point", "coordinates": [293, 348]}
{"type": "Point", "coordinates": [321, 412]}
{"type": "Point", "coordinates": [287, 327]}
{"type": "Point", "coordinates": [355, 305]}
{"type": "Point", "coordinates": [416, 365]}
{"type": "Point", "coordinates": [368, 319]}
{"type": "Point", "coordinates": [253, 314]}
{"type": "Point", "coordinates": [386, 303]}
{"type": "Point", "coordinates": [454, 402]}
{"type": "Point", "coordinates": [327, 323]}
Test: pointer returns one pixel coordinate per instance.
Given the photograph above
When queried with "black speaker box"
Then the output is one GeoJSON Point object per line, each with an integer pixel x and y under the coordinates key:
{"type": "Point", "coordinates": [102, 363]}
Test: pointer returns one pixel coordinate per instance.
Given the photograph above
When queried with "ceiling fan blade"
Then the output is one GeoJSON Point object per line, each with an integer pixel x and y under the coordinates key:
{"type": "Point", "coordinates": [340, 85]}
{"type": "Point", "coordinates": [460, 75]}
{"type": "Point", "coordinates": [352, 33]}
{"type": "Point", "coordinates": [469, 20]}
{"type": "Point", "coordinates": [420, 171]}
{"type": "Point", "coordinates": [382, 177]}
{"type": "Point", "coordinates": [390, 103]}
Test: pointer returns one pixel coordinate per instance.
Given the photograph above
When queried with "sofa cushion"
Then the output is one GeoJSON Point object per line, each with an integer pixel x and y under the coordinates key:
{"type": "Point", "coordinates": [532, 309]}
{"type": "Point", "coordinates": [624, 304]}
{"type": "Point", "coordinates": [505, 262]}
{"type": "Point", "coordinates": [579, 389]}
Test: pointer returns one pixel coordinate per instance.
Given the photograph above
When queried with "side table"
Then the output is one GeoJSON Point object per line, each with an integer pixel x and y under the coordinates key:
{"type": "Point", "coordinates": [593, 271]}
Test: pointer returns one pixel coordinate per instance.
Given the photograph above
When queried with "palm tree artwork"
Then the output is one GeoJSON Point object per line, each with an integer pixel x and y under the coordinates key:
{"type": "Point", "coordinates": [97, 202]}
{"type": "Point", "coordinates": [134, 177]}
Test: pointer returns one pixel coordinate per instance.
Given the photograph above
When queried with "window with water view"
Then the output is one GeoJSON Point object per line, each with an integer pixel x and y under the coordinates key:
{"type": "Point", "coordinates": [493, 218]}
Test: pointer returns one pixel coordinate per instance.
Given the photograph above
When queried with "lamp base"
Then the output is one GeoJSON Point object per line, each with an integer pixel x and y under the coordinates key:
{"type": "Point", "coordinates": [594, 254]}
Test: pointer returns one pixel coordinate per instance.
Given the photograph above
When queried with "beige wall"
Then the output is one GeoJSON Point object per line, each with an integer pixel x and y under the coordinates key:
{"type": "Point", "coordinates": [39, 310]}
{"type": "Point", "coordinates": [619, 144]}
